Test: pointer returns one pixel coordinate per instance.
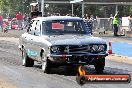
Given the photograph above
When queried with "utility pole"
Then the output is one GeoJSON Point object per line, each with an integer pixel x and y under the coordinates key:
{"type": "Point", "coordinates": [42, 7]}
{"type": "Point", "coordinates": [116, 9]}
{"type": "Point", "coordinates": [82, 9]}
{"type": "Point", "coordinates": [23, 8]}
{"type": "Point", "coordinates": [72, 10]}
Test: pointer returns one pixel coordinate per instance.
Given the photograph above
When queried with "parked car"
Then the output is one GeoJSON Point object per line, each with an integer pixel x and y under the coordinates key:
{"type": "Point", "coordinates": [61, 40]}
{"type": "Point", "coordinates": [7, 24]}
{"type": "Point", "coordinates": [14, 24]}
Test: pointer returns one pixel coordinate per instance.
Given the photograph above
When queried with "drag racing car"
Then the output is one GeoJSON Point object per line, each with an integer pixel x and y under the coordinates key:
{"type": "Point", "coordinates": [61, 41]}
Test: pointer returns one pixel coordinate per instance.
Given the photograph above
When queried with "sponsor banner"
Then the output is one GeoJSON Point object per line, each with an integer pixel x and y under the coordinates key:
{"type": "Point", "coordinates": [114, 78]}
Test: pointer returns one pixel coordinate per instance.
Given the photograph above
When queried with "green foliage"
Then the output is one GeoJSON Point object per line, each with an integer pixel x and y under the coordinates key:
{"type": "Point", "coordinates": [10, 7]}
{"type": "Point", "coordinates": [130, 9]}
{"type": "Point", "coordinates": [97, 10]}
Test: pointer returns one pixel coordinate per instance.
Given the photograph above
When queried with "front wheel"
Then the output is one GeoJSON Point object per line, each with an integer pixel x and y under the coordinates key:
{"type": "Point", "coordinates": [46, 64]}
{"type": "Point", "coordinates": [99, 65]}
{"type": "Point", "coordinates": [26, 61]}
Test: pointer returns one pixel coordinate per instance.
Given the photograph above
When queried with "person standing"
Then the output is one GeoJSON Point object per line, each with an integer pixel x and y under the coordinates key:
{"type": "Point", "coordinates": [1, 21]}
{"type": "Point", "coordinates": [35, 13]}
{"type": "Point", "coordinates": [116, 24]}
{"type": "Point", "coordinates": [19, 18]}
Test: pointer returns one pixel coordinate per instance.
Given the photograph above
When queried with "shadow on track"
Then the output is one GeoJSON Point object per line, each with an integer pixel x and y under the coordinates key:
{"type": "Point", "coordinates": [69, 71]}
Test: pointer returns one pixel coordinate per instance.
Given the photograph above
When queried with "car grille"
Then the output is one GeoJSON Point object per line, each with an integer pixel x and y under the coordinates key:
{"type": "Point", "coordinates": [78, 49]}
{"type": "Point", "coordinates": [84, 49]}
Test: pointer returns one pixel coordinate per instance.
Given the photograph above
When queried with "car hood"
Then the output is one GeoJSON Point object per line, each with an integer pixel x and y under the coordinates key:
{"type": "Point", "coordinates": [74, 40]}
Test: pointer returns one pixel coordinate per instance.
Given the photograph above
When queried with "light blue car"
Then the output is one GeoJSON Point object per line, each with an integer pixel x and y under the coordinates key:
{"type": "Point", "coordinates": [61, 41]}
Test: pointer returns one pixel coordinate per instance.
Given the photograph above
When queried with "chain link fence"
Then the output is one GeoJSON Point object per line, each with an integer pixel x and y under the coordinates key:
{"type": "Point", "coordinates": [101, 25]}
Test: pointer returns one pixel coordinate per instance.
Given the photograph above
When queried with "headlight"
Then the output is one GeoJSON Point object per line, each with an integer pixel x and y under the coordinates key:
{"type": "Point", "coordinates": [95, 48]}
{"type": "Point", "coordinates": [66, 49]}
{"type": "Point", "coordinates": [98, 48]}
{"type": "Point", "coordinates": [55, 49]}
{"type": "Point", "coordinates": [59, 49]}
{"type": "Point", "coordinates": [101, 48]}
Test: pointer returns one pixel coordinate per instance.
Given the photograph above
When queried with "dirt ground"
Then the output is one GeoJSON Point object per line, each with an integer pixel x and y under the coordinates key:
{"type": "Point", "coordinates": [119, 58]}
{"type": "Point", "coordinates": [10, 39]}
{"type": "Point", "coordinates": [5, 84]}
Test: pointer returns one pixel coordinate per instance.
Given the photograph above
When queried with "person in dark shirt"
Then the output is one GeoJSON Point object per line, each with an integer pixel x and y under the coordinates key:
{"type": "Point", "coordinates": [33, 14]}
{"type": "Point", "coordinates": [36, 13]}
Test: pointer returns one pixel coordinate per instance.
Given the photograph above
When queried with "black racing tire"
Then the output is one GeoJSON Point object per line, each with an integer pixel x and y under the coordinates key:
{"type": "Point", "coordinates": [99, 65]}
{"type": "Point", "coordinates": [27, 61]}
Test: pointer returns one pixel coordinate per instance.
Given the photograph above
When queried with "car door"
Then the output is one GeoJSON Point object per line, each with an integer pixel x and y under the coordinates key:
{"type": "Point", "coordinates": [30, 40]}
{"type": "Point", "coordinates": [25, 38]}
{"type": "Point", "coordinates": [37, 41]}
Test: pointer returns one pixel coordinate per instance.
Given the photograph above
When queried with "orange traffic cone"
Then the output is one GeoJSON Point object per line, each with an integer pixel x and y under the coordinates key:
{"type": "Point", "coordinates": [110, 48]}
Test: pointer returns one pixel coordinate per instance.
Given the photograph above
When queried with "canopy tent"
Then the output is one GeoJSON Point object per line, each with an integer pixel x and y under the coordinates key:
{"type": "Point", "coordinates": [116, 2]}
{"type": "Point", "coordinates": [86, 1]}
{"type": "Point", "coordinates": [107, 0]}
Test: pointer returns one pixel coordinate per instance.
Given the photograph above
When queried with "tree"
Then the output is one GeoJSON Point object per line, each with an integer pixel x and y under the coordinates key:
{"type": "Point", "coordinates": [10, 7]}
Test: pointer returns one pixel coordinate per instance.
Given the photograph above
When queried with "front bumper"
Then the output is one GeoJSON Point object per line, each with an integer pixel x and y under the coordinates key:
{"type": "Point", "coordinates": [76, 58]}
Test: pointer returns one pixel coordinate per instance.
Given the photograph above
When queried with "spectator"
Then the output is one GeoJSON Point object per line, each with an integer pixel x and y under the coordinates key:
{"type": "Point", "coordinates": [5, 26]}
{"type": "Point", "coordinates": [111, 20]}
{"type": "Point", "coordinates": [130, 19]}
{"type": "Point", "coordinates": [19, 18]}
{"type": "Point", "coordinates": [36, 13]}
{"type": "Point", "coordinates": [94, 21]}
{"type": "Point", "coordinates": [116, 24]}
{"type": "Point", "coordinates": [1, 21]}
{"type": "Point", "coordinates": [87, 17]}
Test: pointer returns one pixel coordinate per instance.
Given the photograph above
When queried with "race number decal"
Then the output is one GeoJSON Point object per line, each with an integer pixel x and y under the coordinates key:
{"type": "Point", "coordinates": [57, 26]}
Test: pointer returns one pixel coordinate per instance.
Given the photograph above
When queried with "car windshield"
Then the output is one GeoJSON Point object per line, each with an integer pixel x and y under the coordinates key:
{"type": "Point", "coordinates": [65, 27]}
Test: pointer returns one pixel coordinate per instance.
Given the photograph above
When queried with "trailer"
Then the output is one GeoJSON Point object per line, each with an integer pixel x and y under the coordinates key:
{"type": "Point", "coordinates": [125, 25]}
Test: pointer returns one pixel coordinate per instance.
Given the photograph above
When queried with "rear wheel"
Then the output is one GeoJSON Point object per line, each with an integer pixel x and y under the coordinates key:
{"type": "Point", "coordinates": [99, 65]}
{"type": "Point", "coordinates": [26, 61]}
